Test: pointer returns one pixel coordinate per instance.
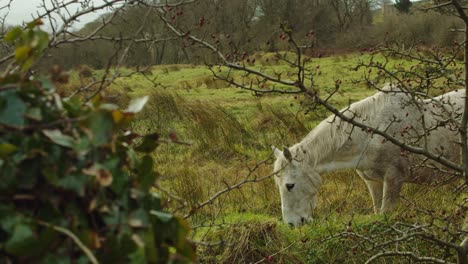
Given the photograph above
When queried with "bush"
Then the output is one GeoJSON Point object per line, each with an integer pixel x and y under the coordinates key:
{"type": "Point", "coordinates": [85, 71]}
{"type": "Point", "coordinates": [73, 187]}
{"type": "Point", "coordinates": [422, 29]}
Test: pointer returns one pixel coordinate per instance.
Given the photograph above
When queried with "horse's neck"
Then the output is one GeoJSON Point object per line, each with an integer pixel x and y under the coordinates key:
{"type": "Point", "coordinates": [348, 162]}
{"type": "Point", "coordinates": [328, 148]}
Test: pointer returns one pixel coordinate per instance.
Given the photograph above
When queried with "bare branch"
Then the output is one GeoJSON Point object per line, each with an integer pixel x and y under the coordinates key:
{"type": "Point", "coordinates": [409, 254]}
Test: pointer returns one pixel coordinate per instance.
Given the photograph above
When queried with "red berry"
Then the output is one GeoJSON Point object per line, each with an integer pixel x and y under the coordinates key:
{"type": "Point", "coordinates": [173, 136]}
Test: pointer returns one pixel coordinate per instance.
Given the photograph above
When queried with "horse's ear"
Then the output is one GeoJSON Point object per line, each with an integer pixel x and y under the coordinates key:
{"type": "Point", "coordinates": [287, 154]}
{"type": "Point", "coordinates": [277, 152]}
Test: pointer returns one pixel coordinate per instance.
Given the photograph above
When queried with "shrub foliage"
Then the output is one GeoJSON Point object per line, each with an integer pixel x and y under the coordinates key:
{"type": "Point", "coordinates": [75, 185]}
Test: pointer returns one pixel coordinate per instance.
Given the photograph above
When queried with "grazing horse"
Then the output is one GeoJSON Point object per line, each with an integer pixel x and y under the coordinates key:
{"type": "Point", "coordinates": [334, 144]}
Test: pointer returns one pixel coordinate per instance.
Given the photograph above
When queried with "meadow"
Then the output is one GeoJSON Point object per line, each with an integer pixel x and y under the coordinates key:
{"type": "Point", "coordinates": [229, 132]}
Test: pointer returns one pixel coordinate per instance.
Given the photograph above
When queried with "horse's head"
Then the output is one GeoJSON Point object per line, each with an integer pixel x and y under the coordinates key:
{"type": "Point", "coordinates": [298, 184]}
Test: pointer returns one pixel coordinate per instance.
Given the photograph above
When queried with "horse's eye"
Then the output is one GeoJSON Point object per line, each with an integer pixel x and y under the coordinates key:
{"type": "Point", "coordinates": [289, 186]}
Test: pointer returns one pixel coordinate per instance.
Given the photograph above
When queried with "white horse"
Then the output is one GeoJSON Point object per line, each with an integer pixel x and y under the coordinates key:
{"type": "Point", "coordinates": [335, 145]}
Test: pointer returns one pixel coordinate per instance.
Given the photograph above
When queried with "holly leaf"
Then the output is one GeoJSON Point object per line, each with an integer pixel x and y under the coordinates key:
{"type": "Point", "coordinates": [146, 174]}
{"type": "Point", "coordinates": [73, 106]}
{"type": "Point", "coordinates": [12, 109]}
{"type": "Point", "coordinates": [22, 53]}
{"type": "Point", "coordinates": [20, 240]}
{"type": "Point", "coordinates": [6, 149]}
{"type": "Point", "coordinates": [13, 34]}
{"type": "Point", "coordinates": [101, 124]}
{"type": "Point", "coordinates": [74, 182]}
{"type": "Point", "coordinates": [34, 113]}
{"type": "Point", "coordinates": [58, 138]}
{"type": "Point", "coordinates": [163, 217]}
{"type": "Point", "coordinates": [136, 105]}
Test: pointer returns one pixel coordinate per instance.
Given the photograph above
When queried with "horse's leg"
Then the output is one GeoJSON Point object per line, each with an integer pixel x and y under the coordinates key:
{"type": "Point", "coordinates": [375, 189]}
{"type": "Point", "coordinates": [391, 190]}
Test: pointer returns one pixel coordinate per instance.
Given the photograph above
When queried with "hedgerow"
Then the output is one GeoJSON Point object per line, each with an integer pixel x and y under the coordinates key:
{"type": "Point", "coordinates": [75, 183]}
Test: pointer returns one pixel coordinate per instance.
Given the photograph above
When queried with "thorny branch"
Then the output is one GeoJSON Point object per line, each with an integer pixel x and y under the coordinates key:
{"type": "Point", "coordinates": [249, 178]}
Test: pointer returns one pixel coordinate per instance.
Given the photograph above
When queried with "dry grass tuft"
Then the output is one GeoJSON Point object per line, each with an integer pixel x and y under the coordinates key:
{"type": "Point", "coordinates": [250, 243]}
{"type": "Point", "coordinates": [215, 131]}
{"type": "Point", "coordinates": [85, 71]}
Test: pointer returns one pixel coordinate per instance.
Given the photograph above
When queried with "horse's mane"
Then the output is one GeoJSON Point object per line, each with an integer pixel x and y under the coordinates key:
{"type": "Point", "coordinates": [332, 133]}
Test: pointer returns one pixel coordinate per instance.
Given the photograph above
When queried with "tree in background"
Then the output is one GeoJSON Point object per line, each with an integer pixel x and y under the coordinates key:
{"type": "Point", "coordinates": [403, 6]}
{"type": "Point", "coordinates": [254, 24]}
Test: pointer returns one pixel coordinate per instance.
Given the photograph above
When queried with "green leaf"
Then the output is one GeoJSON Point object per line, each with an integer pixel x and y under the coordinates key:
{"type": "Point", "coordinates": [149, 144]}
{"type": "Point", "coordinates": [152, 201]}
{"type": "Point", "coordinates": [13, 34]}
{"type": "Point", "coordinates": [73, 106]}
{"type": "Point", "coordinates": [101, 125]}
{"type": "Point", "coordinates": [50, 173]}
{"type": "Point", "coordinates": [34, 113]}
{"type": "Point", "coordinates": [163, 217]}
{"type": "Point", "coordinates": [132, 157]}
{"type": "Point", "coordinates": [8, 175]}
{"type": "Point", "coordinates": [74, 182]}
{"type": "Point", "coordinates": [58, 138]}
{"type": "Point", "coordinates": [82, 146]}
{"type": "Point", "coordinates": [136, 105]}
{"type": "Point", "coordinates": [183, 228]}
{"type": "Point", "coordinates": [54, 259]}
{"type": "Point", "coordinates": [42, 241]}
{"type": "Point", "coordinates": [146, 174]}
{"type": "Point", "coordinates": [27, 64]}
{"type": "Point", "coordinates": [12, 109]}
{"type": "Point", "coordinates": [6, 149]}
{"type": "Point", "coordinates": [188, 250]}
{"type": "Point", "coordinates": [46, 83]}
{"type": "Point", "coordinates": [151, 248]}
{"type": "Point", "coordinates": [118, 248]}
{"type": "Point", "coordinates": [138, 218]}
{"type": "Point", "coordinates": [9, 221]}
{"type": "Point", "coordinates": [27, 179]}
{"type": "Point", "coordinates": [19, 242]}
{"type": "Point", "coordinates": [138, 256]}
{"type": "Point", "coordinates": [41, 41]}
{"type": "Point", "coordinates": [108, 107]}
{"type": "Point", "coordinates": [120, 181]}
{"type": "Point", "coordinates": [22, 53]}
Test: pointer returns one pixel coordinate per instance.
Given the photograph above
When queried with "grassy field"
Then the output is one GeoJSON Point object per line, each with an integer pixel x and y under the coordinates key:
{"type": "Point", "coordinates": [231, 131]}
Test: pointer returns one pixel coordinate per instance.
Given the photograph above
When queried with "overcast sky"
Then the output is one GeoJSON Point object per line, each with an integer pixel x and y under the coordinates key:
{"type": "Point", "coordinates": [22, 10]}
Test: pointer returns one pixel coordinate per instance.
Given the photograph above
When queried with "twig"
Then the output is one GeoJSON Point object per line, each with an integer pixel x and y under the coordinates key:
{"type": "Point", "coordinates": [75, 239]}
{"type": "Point", "coordinates": [406, 254]}
{"type": "Point", "coordinates": [282, 250]}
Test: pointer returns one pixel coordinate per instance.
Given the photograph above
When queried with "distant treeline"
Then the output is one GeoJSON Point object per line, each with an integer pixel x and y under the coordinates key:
{"type": "Point", "coordinates": [239, 26]}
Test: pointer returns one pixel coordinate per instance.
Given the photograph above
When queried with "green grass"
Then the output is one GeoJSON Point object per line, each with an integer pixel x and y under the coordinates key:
{"type": "Point", "coordinates": [231, 131]}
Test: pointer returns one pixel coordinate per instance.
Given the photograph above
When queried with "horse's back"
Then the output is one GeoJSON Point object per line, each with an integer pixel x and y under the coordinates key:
{"type": "Point", "coordinates": [421, 124]}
